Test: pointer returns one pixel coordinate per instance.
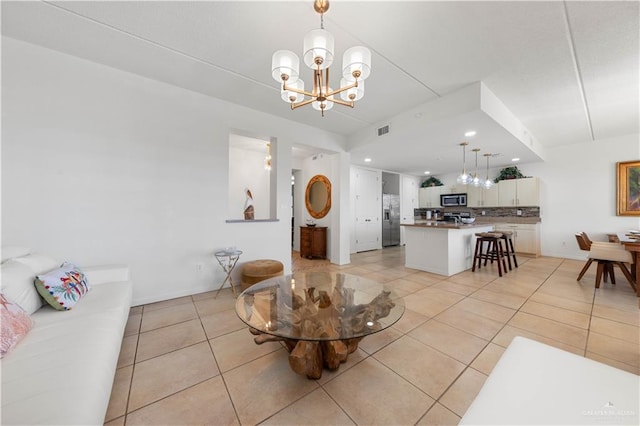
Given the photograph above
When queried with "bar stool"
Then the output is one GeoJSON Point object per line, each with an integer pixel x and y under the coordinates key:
{"type": "Point", "coordinates": [494, 251]}
{"type": "Point", "coordinates": [509, 251]}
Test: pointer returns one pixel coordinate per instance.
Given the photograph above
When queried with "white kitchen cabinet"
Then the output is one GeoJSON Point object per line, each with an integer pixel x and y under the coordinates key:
{"type": "Point", "coordinates": [430, 196]}
{"type": "Point", "coordinates": [474, 196]}
{"type": "Point", "coordinates": [519, 192]}
{"type": "Point", "coordinates": [528, 192]}
{"type": "Point", "coordinates": [408, 198]}
{"type": "Point", "coordinates": [490, 197]}
{"type": "Point", "coordinates": [481, 197]}
{"type": "Point", "coordinates": [526, 236]}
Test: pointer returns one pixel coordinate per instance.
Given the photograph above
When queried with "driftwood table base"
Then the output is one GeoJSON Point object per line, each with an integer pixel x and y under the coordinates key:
{"type": "Point", "coordinates": [319, 317]}
{"type": "Point", "coordinates": [308, 358]}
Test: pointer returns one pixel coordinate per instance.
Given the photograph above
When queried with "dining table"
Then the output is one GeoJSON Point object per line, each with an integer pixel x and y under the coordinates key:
{"type": "Point", "coordinates": [631, 242]}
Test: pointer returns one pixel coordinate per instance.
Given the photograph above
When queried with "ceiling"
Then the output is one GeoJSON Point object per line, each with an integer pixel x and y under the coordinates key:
{"type": "Point", "coordinates": [567, 71]}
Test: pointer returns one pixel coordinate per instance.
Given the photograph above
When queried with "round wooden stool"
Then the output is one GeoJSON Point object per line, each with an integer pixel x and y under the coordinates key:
{"type": "Point", "coordinates": [259, 270]}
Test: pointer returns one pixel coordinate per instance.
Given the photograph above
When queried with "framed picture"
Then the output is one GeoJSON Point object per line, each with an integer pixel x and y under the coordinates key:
{"type": "Point", "coordinates": [628, 188]}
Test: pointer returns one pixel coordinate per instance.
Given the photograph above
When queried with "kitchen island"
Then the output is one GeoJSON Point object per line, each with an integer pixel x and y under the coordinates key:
{"type": "Point", "coordinates": [442, 248]}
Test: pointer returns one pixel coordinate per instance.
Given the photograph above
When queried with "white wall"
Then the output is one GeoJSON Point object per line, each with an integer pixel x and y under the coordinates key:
{"type": "Point", "coordinates": [101, 166]}
{"type": "Point", "coordinates": [578, 192]}
{"type": "Point", "coordinates": [246, 170]}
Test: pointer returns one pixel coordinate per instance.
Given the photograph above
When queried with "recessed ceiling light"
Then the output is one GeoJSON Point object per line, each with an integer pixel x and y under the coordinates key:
{"type": "Point", "coordinates": [427, 172]}
{"type": "Point", "coordinates": [470, 133]}
{"type": "Point", "coordinates": [515, 159]}
{"type": "Point", "coordinates": [367, 160]}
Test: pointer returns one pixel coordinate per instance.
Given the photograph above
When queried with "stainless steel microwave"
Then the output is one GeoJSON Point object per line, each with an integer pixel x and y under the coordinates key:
{"type": "Point", "coordinates": [453, 200]}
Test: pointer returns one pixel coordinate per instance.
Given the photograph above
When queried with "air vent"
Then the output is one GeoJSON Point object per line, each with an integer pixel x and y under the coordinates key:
{"type": "Point", "coordinates": [383, 130]}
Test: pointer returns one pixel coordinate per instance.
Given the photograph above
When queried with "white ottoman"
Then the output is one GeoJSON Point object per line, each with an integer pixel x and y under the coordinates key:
{"type": "Point", "coordinates": [534, 383]}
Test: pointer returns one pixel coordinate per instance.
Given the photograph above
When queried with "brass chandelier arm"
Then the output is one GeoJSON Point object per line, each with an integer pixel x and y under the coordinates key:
{"type": "Point", "coordinates": [292, 89]}
{"type": "Point", "coordinates": [303, 103]}
{"type": "Point", "coordinates": [345, 103]}
{"type": "Point", "coordinates": [316, 93]}
{"type": "Point", "coordinates": [342, 89]}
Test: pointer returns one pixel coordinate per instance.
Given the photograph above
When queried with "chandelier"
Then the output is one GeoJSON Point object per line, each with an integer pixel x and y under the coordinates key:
{"type": "Point", "coordinates": [318, 55]}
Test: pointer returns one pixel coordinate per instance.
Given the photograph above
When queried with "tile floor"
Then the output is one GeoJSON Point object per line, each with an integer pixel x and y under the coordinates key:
{"type": "Point", "coordinates": [192, 361]}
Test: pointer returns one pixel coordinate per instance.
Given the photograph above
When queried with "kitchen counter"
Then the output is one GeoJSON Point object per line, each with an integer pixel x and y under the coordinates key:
{"type": "Point", "coordinates": [442, 248]}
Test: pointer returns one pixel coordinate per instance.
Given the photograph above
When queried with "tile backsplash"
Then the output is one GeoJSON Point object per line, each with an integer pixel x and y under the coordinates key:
{"type": "Point", "coordinates": [531, 212]}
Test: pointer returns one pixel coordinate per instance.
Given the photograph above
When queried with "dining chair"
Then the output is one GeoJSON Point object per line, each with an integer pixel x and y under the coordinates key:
{"type": "Point", "coordinates": [606, 255]}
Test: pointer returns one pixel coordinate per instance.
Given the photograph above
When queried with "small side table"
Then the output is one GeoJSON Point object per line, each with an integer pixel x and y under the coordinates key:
{"type": "Point", "coordinates": [227, 260]}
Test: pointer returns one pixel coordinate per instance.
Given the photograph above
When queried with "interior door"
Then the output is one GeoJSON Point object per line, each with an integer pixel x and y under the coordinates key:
{"type": "Point", "coordinates": [368, 208]}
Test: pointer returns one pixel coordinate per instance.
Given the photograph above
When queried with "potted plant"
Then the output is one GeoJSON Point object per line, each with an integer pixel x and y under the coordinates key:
{"type": "Point", "coordinates": [511, 172]}
{"type": "Point", "coordinates": [432, 181]}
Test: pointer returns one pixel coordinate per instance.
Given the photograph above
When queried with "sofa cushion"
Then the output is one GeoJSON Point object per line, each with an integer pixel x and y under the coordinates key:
{"type": "Point", "coordinates": [62, 288]}
{"type": "Point", "coordinates": [9, 252]}
{"type": "Point", "coordinates": [38, 263]}
{"type": "Point", "coordinates": [15, 324]}
{"type": "Point", "coordinates": [17, 285]}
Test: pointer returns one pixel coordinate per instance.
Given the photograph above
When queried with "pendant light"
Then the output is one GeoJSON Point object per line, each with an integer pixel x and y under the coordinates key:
{"type": "Point", "coordinates": [464, 178]}
{"type": "Point", "coordinates": [488, 183]}
{"type": "Point", "coordinates": [476, 180]}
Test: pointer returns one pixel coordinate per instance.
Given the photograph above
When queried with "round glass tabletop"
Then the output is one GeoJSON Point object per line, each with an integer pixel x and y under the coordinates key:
{"type": "Point", "coordinates": [319, 306]}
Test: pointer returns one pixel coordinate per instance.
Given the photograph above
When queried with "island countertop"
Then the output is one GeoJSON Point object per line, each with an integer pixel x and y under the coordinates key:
{"type": "Point", "coordinates": [447, 225]}
{"type": "Point", "coordinates": [442, 248]}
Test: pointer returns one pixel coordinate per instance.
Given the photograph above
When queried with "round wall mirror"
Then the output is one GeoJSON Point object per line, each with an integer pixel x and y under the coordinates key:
{"type": "Point", "coordinates": [318, 196]}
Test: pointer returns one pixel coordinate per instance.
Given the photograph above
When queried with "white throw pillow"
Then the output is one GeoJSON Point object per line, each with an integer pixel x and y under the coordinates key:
{"type": "Point", "coordinates": [9, 252]}
{"type": "Point", "coordinates": [17, 284]}
{"type": "Point", "coordinates": [38, 263]}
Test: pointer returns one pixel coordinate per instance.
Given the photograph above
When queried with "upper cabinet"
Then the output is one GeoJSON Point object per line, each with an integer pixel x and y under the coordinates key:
{"type": "Point", "coordinates": [519, 192]}
{"type": "Point", "coordinates": [430, 196]}
{"type": "Point", "coordinates": [478, 196]}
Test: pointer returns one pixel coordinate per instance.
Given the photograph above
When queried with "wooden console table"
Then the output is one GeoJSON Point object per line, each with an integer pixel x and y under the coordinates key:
{"type": "Point", "coordinates": [313, 242]}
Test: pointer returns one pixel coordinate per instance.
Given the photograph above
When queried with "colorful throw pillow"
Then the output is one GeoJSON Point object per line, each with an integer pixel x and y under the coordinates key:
{"type": "Point", "coordinates": [62, 288]}
{"type": "Point", "coordinates": [15, 324]}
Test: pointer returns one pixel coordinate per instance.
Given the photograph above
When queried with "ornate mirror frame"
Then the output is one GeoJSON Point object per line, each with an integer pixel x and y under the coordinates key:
{"type": "Point", "coordinates": [307, 196]}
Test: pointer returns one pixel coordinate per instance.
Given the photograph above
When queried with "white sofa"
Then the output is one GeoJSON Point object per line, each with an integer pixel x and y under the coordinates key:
{"type": "Point", "coordinates": [537, 384]}
{"type": "Point", "coordinates": [63, 370]}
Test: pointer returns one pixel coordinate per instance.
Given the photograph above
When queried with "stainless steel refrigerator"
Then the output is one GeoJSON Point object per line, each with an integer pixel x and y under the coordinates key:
{"type": "Point", "coordinates": [390, 220]}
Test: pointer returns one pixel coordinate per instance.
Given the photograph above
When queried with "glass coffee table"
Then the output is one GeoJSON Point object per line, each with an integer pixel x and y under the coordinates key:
{"type": "Point", "coordinates": [319, 316]}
